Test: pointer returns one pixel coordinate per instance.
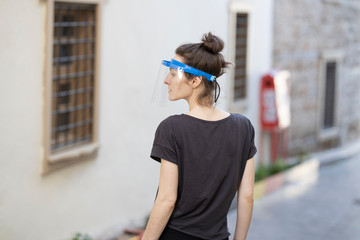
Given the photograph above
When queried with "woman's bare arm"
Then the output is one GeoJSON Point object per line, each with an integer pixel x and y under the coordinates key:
{"type": "Point", "coordinates": [245, 201]}
{"type": "Point", "coordinates": [165, 201]}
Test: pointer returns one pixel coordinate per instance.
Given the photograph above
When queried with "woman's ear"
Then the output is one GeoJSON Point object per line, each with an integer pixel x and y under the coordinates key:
{"type": "Point", "coordinates": [196, 81]}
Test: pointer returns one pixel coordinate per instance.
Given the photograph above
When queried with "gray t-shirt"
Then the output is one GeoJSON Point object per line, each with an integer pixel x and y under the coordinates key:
{"type": "Point", "coordinates": [211, 158]}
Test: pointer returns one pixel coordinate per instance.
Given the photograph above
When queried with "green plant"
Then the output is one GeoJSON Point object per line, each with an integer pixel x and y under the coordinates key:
{"type": "Point", "coordinates": [277, 166]}
{"type": "Point", "coordinates": [261, 172]}
{"type": "Point", "coordinates": [264, 171]}
{"type": "Point", "coordinates": [303, 154]}
{"type": "Point", "coordinates": [80, 236]}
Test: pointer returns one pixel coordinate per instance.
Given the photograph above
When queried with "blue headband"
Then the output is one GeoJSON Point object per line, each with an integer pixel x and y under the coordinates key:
{"type": "Point", "coordinates": [183, 67]}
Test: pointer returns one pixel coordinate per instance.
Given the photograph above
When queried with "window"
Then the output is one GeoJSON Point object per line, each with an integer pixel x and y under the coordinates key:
{"type": "Point", "coordinates": [238, 87]}
{"type": "Point", "coordinates": [240, 56]}
{"type": "Point", "coordinates": [71, 102]}
{"type": "Point", "coordinates": [329, 99]}
{"type": "Point", "coordinates": [73, 74]}
{"type": "Point", "coordinates": [329, 83]}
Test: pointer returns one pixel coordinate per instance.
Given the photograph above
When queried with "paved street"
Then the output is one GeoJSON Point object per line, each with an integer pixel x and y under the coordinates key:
{"type": "Point", "coordinates": [322, 206]}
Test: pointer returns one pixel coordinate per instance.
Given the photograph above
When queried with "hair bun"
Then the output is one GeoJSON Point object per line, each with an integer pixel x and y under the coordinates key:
{"type": "Point", "coordinates": [212, 43]}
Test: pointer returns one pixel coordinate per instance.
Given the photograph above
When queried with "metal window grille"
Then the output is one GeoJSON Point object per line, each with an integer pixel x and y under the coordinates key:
{"type": "Point", "coordinates": [240, 56]}
{"type": "Point", "coordinates": [73, 74]}
{"type": "Point", "coordinates": [330, 82]}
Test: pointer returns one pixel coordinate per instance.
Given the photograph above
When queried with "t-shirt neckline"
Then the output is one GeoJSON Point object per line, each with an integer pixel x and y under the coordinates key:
{"type": "Point", "coordinates": [207, 121]}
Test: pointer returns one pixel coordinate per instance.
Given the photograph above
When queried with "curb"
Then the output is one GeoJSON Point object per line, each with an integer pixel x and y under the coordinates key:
{"type": "Point", "coordinates": [337, 154]}
{"type": "Point", "coordinates": [294, 174]}
{"type": "Point", "coordinates": [308, 167]}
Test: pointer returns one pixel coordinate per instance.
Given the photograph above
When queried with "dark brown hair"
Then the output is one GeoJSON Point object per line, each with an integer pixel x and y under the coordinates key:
{"type": "Point", "coordinates": [206, 57]}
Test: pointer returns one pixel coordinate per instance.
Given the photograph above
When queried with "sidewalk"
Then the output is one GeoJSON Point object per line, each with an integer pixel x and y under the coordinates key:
{"type": "Point", "coordinates": [322, 205]}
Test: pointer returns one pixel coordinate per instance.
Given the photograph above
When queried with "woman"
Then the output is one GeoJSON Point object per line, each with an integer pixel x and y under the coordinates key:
{"type": "Point", "coordinates": [206, 155]}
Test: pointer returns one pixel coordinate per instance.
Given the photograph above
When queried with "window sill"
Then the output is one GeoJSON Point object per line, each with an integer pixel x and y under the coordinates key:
{"type": "Point", "coordinates": [351, 3]}
{"type": "Point", "coordinates": [328, 134]}
{"type": "Point", "coordinates": [69, 157]}
{"type": "Point", "coordinates": [74, 153]}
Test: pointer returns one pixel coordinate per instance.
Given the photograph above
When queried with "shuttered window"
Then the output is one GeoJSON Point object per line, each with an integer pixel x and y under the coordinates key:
{"type": "Point", "coordinates": [240, 56]}
{"type": "Point", "coordinates": [73, 71]}
{"type": "Point", "coordinates": [330, 83]}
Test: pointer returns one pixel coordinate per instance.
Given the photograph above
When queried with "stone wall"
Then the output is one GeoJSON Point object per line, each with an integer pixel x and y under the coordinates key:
{"type": "Point", "coordinates": [303, 31]}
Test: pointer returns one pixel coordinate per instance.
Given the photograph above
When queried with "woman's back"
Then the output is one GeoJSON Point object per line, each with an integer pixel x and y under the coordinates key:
{"type": "Point", "coordinates": [203, 154]}
{"type": "Point", "coordinates": [211, 157]}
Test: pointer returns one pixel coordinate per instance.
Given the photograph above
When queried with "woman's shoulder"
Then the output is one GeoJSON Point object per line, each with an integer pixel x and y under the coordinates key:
{"type": "Point", "coordinates": [240, 117]}
{"type": "Point", "coordinates": [171, 120]}
{"type": "Point", "coordinates": [243, 120]}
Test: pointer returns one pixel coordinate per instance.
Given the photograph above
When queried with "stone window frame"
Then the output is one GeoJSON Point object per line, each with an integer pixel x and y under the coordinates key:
{"type": "Point", "coordinates": [327, 56]}
{"type": "Point", "coordinates": [68, 156]}
{"type": "Point", "coordinates": [349, 3]}
{"type": "Point", "coordinates": [236, 8]}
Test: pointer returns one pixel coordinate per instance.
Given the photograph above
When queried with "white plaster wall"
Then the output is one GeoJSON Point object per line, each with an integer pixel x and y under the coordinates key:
{"type": "Point", "coordinates": [261, 52]}
{"type": "Point", "coordinates": [23, 195]}
{"type": "Point", "coordinates": [101, 196]}
{"type": "Point", "coordinates": [260, 49]}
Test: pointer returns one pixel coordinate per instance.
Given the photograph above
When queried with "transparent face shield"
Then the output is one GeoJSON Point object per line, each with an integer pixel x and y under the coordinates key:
{"type": "Point", "coordinates": [170, 79]}
{"type": "Point", "coordinates": [167, 83]}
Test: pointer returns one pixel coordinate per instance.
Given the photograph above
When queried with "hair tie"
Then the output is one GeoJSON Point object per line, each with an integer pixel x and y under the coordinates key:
{"type": "Point", "coordinates": [216, 95]}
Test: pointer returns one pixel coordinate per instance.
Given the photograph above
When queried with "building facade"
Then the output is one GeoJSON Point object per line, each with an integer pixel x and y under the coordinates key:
{"type": "Point", "coordinates": [319, 43]}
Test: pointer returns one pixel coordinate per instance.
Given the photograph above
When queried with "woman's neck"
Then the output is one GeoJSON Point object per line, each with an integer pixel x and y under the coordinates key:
{"type": "Point", "coordinates": [198, 109]}
{"type": "Point", "coordinates": [195, 106]}
{"type": "Point", "coordinates": [205, 112]}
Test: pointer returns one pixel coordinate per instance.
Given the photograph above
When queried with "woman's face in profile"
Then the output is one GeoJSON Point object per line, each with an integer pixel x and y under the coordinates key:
{"type": "Point", "coordinates": [178, 84]}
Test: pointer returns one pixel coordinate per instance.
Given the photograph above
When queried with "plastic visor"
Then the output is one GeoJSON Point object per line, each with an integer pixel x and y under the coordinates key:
{"type": "Point", "coordinates": [169, 77]}
{"type": "Point", "coordinates": [179, 65]}
{"type": "Point", "coordinates": [167, 84]}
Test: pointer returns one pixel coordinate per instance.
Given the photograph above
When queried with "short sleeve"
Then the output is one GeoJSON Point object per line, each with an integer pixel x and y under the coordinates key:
{"type": "Point", "coordinates": [164, 146]}
{"type": "Point", "coordinates": [252, 148]}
